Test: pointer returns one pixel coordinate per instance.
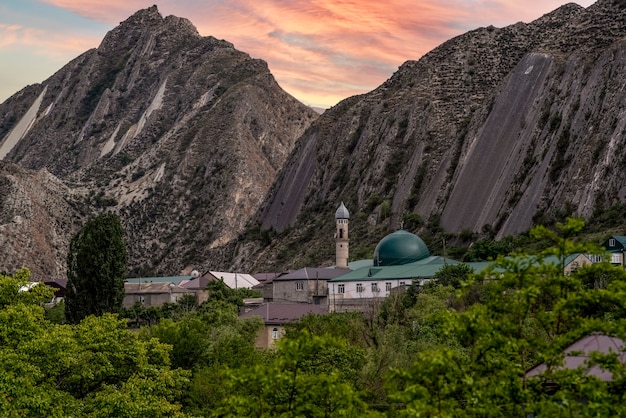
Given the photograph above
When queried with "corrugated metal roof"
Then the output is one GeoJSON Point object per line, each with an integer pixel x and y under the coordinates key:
{"type": "Point", "coordinates": [153, 288]}
{"type": "Point", "coordinates": [165, 279]}
{"type": "Point", "coordinates": [235, 280]}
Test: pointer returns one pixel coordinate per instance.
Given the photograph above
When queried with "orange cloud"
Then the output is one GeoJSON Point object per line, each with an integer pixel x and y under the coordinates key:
{"type": "Point", "coordinates": [324, 50]}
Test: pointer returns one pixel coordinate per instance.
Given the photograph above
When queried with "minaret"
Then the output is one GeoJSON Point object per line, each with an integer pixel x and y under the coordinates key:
{"type": "Point", "coordinates": [341, 237]}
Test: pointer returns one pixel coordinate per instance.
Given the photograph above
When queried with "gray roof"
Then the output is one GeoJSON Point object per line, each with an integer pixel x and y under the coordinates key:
{"type": "Point", "coordinates": [153, 288]}
{"type": "Point", "coordinates": [578, 353]}
{"type": "Point", "coordinates": [342, 212]}
{"type": "Point", "coordinates": [268, 277]}
{"type": "Point", "coordinates": [313, 273]}
{"type": "Point", "coordinates": [282, 313]}
{"type": "Point", "coordinates": [164, 279]}
{"type": "Point", "coordinates": [196, 283]}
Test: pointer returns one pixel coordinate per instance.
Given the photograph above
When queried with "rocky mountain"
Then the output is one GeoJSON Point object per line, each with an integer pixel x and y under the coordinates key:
{"type": "Point", "coordinates": [211, 165]}
{"type": "Point", "coordinates": [38, 214]}
{"type": "Point", "coordinates": [180, 134]}
{"type": "Point", "coordinates": [492, 131]}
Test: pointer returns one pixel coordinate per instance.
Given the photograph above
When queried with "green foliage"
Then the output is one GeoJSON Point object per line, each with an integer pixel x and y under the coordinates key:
{"type": "Point", "coordinates": [412, 221]}
{"type": "Point", "coordinates": [56, 313]}
{"type": "Point", "coordinates": [19, 288]}
{"type": "Point", "coordinates": [139, 314]}
{"type": "Point", "coordinates": [528, 311]}
{"type": "Point", "coordinates": [212, 336]}
{"type": "Point", "coordinates": [453, 274]}
{"type": "Point", "coordinates": [96, 266]}
{"type": "Point", "coordinates": [309, 376]}
{"type": "Point", "coordinates": [350, 325]}
{"type": "Point", "coordinates": [94, 369]}
{"type": "Point", "coordinates": [485, 250]}
{"type": "Point", "coordinates": [219, 292]}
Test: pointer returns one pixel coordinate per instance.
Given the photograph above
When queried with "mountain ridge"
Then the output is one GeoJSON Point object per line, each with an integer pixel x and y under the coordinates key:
{"type": "Point", "coordinates": [211, 165]}
{"type": "Point", "coordinates": [176, 132]}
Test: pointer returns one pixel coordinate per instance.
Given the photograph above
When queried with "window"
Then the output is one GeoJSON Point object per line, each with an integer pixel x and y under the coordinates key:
{"type": "Point", "coordinates": [359, 288]}
{"type": "Point", "coordinates": [374, 287]}
{"type": "Point", "coordinates": [402, 283]}
{"type": "Point", "coordinates": [341, 233]}
{"type": "Point", "coordinates": [388, 286]}
{"type": "Point", "coordinates": [275, 334]}
{"type": "Point", "coordinates": [299, 286]}
{"type": "Point", "coordinates": [142, 299]}
{"type": "Point", "coordinates": [616, 258]}
{"type": "Point", "coordinates": [612, 242]}
{"type": "Point", "coordinates": [341, 288]}
{"type": "Point", "coordinates": [594, 258]}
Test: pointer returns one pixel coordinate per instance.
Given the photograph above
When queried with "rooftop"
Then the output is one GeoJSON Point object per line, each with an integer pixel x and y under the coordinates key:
{"type": "Point", "coordinates": [281, 313]}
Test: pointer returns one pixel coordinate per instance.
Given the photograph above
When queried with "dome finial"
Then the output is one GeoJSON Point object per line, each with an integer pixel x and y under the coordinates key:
{"type": "Point", "coordinates": [342, 212]}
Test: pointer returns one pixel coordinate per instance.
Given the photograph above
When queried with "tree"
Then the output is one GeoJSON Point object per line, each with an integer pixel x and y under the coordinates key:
{"type": "Point", "coordinates": [97, 368]}
{"type": "Point", "coordinates": [309, 376]}
{"type": "Point", "coordinates": [453, 274]}
{"type": "Point", "coordinates": [528, 312]}
{"type": "Point", "coordinates": [96, 265]}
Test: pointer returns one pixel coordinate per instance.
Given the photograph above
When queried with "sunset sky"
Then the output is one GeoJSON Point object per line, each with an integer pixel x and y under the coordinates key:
{"type": "Point", "coordinates": [320, 51]}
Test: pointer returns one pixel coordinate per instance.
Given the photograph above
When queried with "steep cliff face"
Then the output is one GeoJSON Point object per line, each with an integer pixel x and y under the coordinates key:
{"type": "Point", "coordinates": [494, 129]}
{"type": "Point", "coordinates": [38, 215]}
{"type": "Point", "coordinates": [182, 135]}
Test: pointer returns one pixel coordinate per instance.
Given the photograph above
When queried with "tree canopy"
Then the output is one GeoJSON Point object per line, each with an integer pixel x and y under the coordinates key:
{"type": "Point", "coordinates": [97, 368]}
{"type": "Point", "coordinates": [96, 266]}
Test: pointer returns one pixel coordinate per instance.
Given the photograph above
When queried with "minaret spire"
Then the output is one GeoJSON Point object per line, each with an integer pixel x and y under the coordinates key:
{"type": "Point", "coordinates": [342, 241]}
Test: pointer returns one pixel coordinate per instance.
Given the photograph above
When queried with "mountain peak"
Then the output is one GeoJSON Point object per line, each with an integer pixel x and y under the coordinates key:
{"type": "Point", "coordinates": [143, 16]}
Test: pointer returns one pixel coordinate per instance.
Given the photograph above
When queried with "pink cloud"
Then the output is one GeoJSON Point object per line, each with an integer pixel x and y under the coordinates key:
{"type": "Point", "coordinates": [43, 42]}
{"type": "Point", "coordinates": [325, 50]}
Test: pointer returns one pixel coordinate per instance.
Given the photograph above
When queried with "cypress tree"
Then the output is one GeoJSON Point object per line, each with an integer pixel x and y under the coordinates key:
{"type": "Point", "coordinates": [96, 266]}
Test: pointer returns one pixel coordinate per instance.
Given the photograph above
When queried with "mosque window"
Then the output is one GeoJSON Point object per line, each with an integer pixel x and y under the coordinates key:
{"type": "Point", "coordinates": [388, 286]}
{"type": "Point", "coordinates": [374, 287]}
{"type": "Point", "coordinates": [359, 288]}
{"type": "Point", "coordinates": [341, 233]}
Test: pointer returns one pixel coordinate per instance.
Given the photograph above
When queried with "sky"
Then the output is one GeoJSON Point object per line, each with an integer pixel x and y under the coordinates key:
{"type": "Point", "coordinates": [320, 51]}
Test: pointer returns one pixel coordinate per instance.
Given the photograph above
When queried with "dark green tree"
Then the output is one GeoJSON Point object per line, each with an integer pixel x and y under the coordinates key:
{"type": "Point", "coordinates": [453, 275]}
{"type": "Point", "coordinates": [96, 265]}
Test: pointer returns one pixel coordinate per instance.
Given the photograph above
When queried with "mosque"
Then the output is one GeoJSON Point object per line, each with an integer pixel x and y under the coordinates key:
{"type": "Point", "coordinates": [399, 259]}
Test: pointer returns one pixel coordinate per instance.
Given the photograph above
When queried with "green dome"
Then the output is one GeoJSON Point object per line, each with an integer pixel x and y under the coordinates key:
{"type": "Point", "coordinates": [400, 247]}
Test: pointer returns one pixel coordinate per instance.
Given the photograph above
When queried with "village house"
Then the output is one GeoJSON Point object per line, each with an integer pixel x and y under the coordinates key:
{"type": "Point", "coordinates": [307, 285]}
{"type": "Point", "coordinates": [154, 291]}
{"type": "Point", "coordinates": [152, 294]}
{"type": "Point", "coordinates": [275, 316]}
{"type": "Point", "coordinates": [616, 247]}
{"type": "Point", "coordinates": [579, 352]}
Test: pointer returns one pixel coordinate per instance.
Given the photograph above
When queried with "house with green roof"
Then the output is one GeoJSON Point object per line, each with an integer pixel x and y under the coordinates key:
{"type": "Point", "coordinates": [400, 259]}
{"type": "Point", "coordinates": [615, 245]}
